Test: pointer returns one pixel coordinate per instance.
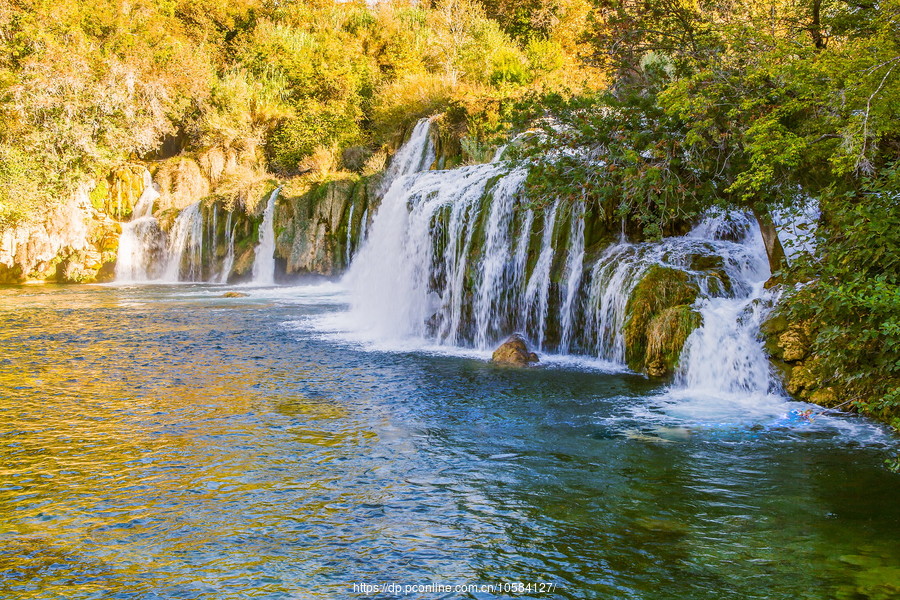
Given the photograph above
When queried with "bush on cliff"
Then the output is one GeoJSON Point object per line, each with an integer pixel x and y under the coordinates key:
{"type": "Point", "coordinates": [853, 298]}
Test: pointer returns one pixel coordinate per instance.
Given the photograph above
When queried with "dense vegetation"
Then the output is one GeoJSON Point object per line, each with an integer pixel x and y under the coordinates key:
{"type": "Point", "coordinates": [85, 86]}
{"type": "Point", "coordinates": [759, 106]}
{"type": "Point", "coordinates": [663, 108]}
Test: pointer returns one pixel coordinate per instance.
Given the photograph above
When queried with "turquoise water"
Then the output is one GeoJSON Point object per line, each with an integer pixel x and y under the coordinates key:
{"type": "Point", "coordinates": [165, 442]}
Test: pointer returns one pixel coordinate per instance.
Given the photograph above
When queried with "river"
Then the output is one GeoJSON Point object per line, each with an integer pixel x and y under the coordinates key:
{"type": "Point", "coordinates": [162, 441]}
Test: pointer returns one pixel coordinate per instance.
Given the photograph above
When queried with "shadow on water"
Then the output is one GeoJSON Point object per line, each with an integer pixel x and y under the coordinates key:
{"type": "Point", "coordinates": [164, 442]}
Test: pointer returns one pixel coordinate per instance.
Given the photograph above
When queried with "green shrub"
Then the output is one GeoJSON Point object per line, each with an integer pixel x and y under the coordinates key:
{"type": "Point", "coordinates": [854, 296]}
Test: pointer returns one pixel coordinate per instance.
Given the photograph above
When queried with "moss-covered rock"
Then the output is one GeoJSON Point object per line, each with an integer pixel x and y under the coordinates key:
{"type": "Point", "coordinates": [658, 317]}
{"type": "Point", "coordinates": [789, 346]}
{"type": "Point", "coordinates": [315, 226]}
{"type": "Point", "coordinates": [123, 188]}
{"type": "Point", "coordinates": [666, 334]}
{"type": "Point", "coordinates": [787, 341]}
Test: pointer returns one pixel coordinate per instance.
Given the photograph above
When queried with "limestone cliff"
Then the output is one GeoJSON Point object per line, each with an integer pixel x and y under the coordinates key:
{"type": "Point", "coordinates": [318, 231]}
{"type": "Point", "coordinates": [73, 242]}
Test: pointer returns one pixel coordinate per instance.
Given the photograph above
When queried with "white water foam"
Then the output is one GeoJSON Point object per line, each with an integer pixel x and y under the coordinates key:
{"type": "Point", "coordinates": [141, 243]}
{"type": "Point", "coordinates": [185, 249]}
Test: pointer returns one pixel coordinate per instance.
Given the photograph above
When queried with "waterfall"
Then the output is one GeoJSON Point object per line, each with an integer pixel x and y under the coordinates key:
{"type": "Point", "coordinates": [498, 245]}
{"type": "Point", "coordinates": [264, 261]}
{"type": "Point", "coordinates": [185, 249]}
{"type": "Point", "coordinates": [460, 257]}
{"type": "Point", "coordinates": [417, 154]}
{"type": "Point", "coordinates": [574, 268]}
{"type": "Point", "coordinates": [228, 263]}
{"type": "Point", "coordinates": [725, 356]}
{"type": "Point", "coordinates": [537, 293]}
{"type": "Point", "coordinates": [408, 277]}
{"type": "Point", "coordinates": [363, 227]}
{"type": "Point", "coordinates": [142, 243]}
{"type": "Point", "coordinates": [213, 230]}
{"type": "Point", "coordinates": [621, 267]}
{"type": "Point", "coordinates": [349, 240]}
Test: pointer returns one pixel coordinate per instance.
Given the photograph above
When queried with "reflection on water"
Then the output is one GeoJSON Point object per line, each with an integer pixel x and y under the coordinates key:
{"type": "Point", "coordinates": [164, 442]}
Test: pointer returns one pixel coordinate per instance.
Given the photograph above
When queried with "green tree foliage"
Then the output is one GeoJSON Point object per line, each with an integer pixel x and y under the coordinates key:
{"type": "Point", "coordinates": [854, 296]}
{"type": "Point", "coordinates": [757, 106]}
{"type": "Point", "coordinates": [84, 87]}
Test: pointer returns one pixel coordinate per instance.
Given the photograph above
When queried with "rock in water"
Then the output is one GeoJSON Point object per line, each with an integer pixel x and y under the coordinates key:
{"type": "Point", "coordinates": [514, 351]}
{"type": "Point", "coordinates": [234, 295]}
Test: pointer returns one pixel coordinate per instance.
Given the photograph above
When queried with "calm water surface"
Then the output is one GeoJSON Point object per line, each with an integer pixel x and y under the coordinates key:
{"type": "Point", "coordinates": [165, 442]}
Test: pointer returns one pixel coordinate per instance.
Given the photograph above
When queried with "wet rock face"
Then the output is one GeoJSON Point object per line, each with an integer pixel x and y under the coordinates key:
{"type": "Point", "coordinates": [313, 228]}
{"type": "Point", "coordinates": [514, 351]}
{"type": "Point", "coordinates": [794, 343]}
{"type": "Point", "coordinates": [123, 188]}
{"type": "Point", "coordinates": [789, 345]}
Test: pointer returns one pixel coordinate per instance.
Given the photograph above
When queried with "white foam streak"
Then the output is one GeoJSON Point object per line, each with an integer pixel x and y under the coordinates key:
{"type": "Point", "coordinates": [574, 268]}
{"type": "Point", "coordinates": [537, 292]}
{"type": "Point", "coordinates": [185, 248]}
{"type": "Point", "coordinates": [264, 260]}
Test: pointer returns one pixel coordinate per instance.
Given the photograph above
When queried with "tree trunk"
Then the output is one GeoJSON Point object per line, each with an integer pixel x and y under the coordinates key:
{"type": "Point", "coordinates": [815, 27]}
{"type": "Point", "coordinates": [774, 249]}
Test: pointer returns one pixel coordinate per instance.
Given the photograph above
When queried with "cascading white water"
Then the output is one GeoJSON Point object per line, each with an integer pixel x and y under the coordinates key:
{"type": "Point", "coordinates": [264, 260]}
{"type": "Point", "coordinates": [574, 269]}
{"type": "Point", "coordinates": [622, 266]}
{"type": "Point", "coordinates": [228, 263]}
{"type": "Point", "coordinates": [417, 154]}
{"type": "Point", "coordinates": [458, 257]}
{"type": "Point", "coordinates": [495, 280]}
{"type": "Point", "coordinates": [370, 276]}
{"type": "Point", "coordinates": [537, 292]}
{"type": "Point", "coordinates": [724, 356]}
{"type": "Point", "coordinates": [185, 249]}
{"type": "Point", "coordinates": [349, 240]}
{"type": "Point", "coordinates": [141, 243]}
{"type": "Point", "coordinates": [420, 233]}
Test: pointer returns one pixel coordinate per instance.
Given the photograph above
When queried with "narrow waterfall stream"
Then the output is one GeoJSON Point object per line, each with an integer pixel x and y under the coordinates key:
{"type": "Point", "coordinates": [574, 273]}
{"type": "Point", "coordinates": [264, 261]}
{"type": "Point", "coordinates": [141, 244]}
{"type": "Point", "coordinates": [185, 250]}
{"type": "Point", "coordinates": [228, 263]}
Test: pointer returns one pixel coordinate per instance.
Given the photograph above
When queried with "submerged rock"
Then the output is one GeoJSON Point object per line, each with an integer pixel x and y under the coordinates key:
{"type": "Point", "coordinates": [234, 295]}
{"type": "Point", "coordinates": [514, 351]}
